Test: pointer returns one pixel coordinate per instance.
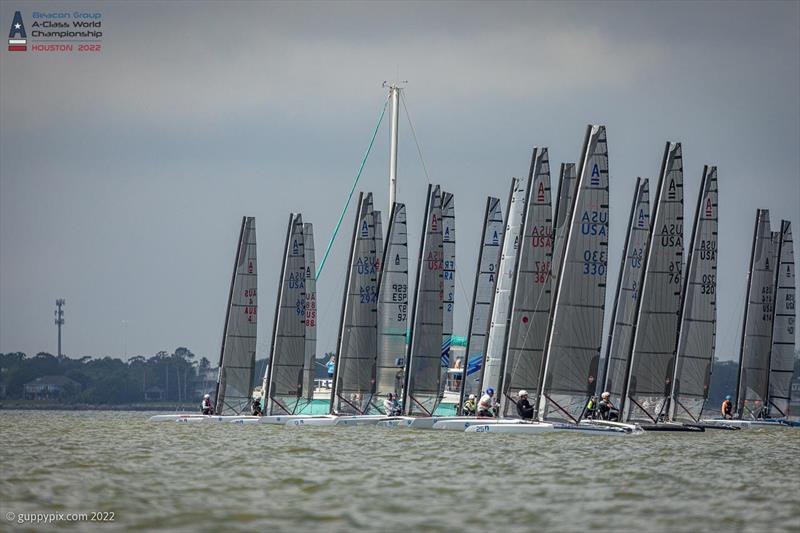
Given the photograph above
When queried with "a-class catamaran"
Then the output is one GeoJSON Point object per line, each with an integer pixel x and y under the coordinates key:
{"type": "Point", "coordinates": [767, 330]}
{"type": "Point", "coordinates": [623, 321]}
{"type": "Point", "coordinates": [697, 334]}
{"type": "Point", "coordinates": [649, 382]}
{"type": "Point", "coordinates": [572, 353]}
{"type": "Point", "coordinates": [482, 297]}
{"type": "Point", "coordinates": [233, 396]}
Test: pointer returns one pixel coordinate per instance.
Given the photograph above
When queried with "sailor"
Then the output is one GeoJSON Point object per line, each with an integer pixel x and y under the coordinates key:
{"type": "Point", "coordinates": [591, 408]}
{"type": "Point", "coordinates": [524, 408]}
{"type": "Point", "coordinates": [331, 365]}
{"type": "Point", "coordinates": [727, 408]}
{"type": "Point", "coordinates": [469, 407]}
{"type": "Point", "coordinates": [487, 406]}
{"type": "Point", "coordinates": [206, 406]}
{"type": "Point", "coordinates": [606, 408]}
{"type": "Point", "coordinates": [257, 407]}
{"type": "Point", "coordinates": [391, 407]}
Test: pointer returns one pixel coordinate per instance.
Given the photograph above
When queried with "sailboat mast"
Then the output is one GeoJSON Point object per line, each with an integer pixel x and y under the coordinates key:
{"type": "Point", "coordinates": [394, 96]}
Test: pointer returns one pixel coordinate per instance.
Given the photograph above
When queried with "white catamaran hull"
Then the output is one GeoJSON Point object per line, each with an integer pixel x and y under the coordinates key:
{"type": "Point", "coordinates": [462, 424]}
{"type": "Point", "coordinates": [172, 417]}
{"type": "Point", "coordinates": [419, 422]}
{"type": "Point", "coordinates": [362, 420]}
{"type": "Point", "coordinates": [522, 427]}
{"type": "Point", "coordinates": [747, 424]}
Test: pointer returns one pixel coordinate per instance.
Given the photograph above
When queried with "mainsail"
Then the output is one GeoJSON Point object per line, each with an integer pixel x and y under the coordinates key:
{"type": "Point", "coordinates": [501, 307]}
{"type": "Point", "coordinates": [284, 377]}
{"type": "Point", "coordinates": [485, 282]}
{"type": "Point", "coordinates": [393, 305]}
{"type": "Point", "coordinates": [653, 358]}
{"type": "Point", "coordinates": [751, 394]}
{"type": "Point", "coordinates": [696, 340]}
{"type": "Point", "coordinates": [354, 375]}
{"type": "Point", "coordinates": [423, 390]}
{"type": "Point", "coordinates": [576, 328]}
{"type": "Point", "coordinates": [782, 358]}
{"type": "Point", "coordinates": [311, 313]}
{"type": "Point", "coordinates": [448, 273]}
{"type": "Point", "coordinates": [567, 181]}
{"type": "Point", "coordinates": [530, 309]}
{"type": "Point", "coordinates": [237, 357]}
{"type": "Point", "coordinates": [620, 342]}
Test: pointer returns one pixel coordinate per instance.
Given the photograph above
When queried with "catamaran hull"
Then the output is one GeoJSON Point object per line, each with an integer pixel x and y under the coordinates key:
{"type": "Point", "coordinates": [461, 425]}
{"type": "Point", "coordinates": [520, 428]}
{"type": "Point", "coordinates": [673, 427]}
{"type": "Point", "coordinates": [365, 420]}
{"type": "Point", "coordinates": [750, 424]}
{"type": "Point", "coordinates": [172, 417]}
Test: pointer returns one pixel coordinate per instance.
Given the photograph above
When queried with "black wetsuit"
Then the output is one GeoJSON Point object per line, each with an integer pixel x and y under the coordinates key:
{"type": "Point", "coordinates": [525, 409]}
{"type": "Point", "coordinates": [607, 411]}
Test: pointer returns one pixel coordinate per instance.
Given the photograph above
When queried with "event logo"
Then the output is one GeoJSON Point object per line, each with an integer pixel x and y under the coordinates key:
{"type": "Point", "coordinates": [17, 38]}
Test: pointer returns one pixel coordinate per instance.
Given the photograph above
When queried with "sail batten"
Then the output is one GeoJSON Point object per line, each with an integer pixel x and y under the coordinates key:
{"type": "Point", "coordinates": [485, 282]}
{"type": "Point", "coordinates": [531, 294]}
{"type": "Point", "coordinates": [575, 331]}
{"type": "Point", "coordinates": [423, 390]}
{"type": "Point", "coordinates": [696, 341]}
{"type": "Point", "coordinates": [284, 378]}
{"type": "Point", "coordinates": [238, 351]}
{"type": "Point", "coordinates": [653, 358]}
{"type": "Point", "coordinates": [393, 306]}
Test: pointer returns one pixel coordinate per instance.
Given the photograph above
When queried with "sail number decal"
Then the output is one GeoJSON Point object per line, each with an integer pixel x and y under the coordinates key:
{"type": "Point", "coordinates": [311, 309]}
{"type": "Point", "coordinates": [434, 261]}
{"type": "Point", "coordinates": [709, 285]}
{"type": "Point", "coordinates": [675, 272]}
{"type": "Point", "coordinates": [594, 262]}
{"type": "Point", "coordinates": [366, 265]}
{"type": "Point", "coordinates": [708, 250]}
{"type": "Point", "coordinates": [542, 271]}
{"type": "Point", "coordinates": [297, 280]}
{"type": "Point", "coordinates": [400, 297]}
{"type": "Point", "coordinates": [542, 237]}
{"type": "Point", "coordinates": [637, 254]}
{"type": "Point", "coordinates": [594, 223]}
{"type": "Point", "coordinates": [250, 309]}
{"type": "Point", "coordinates": [368, 294]}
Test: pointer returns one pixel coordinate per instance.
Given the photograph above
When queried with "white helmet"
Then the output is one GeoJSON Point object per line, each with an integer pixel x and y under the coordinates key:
{"type": "Point", "coordinates": [471, 396]}
{"type": "Point", "coordinates": [522, 393]}
{"type": "Point", "coordinates": [207, 396]}
{"type": "Point", "coordinates": [605, 395]}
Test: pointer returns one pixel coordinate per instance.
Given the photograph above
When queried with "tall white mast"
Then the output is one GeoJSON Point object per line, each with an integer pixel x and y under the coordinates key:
{"type": "Point", "coordinates": [394, 95]}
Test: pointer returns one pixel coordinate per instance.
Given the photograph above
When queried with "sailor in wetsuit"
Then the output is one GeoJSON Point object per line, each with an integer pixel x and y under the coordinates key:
{"type": "Point", "coordinates": [391, 407]}
{"type": "Point", "coordinates": [727, 408]}
{"type": "Point", "coordinates": [257, 407]}
{"type": "Point", "coordinates": [469, 407]}
{"type": "Point", "coordinates": [487, 406]}
{"type": "Point", "coordinates": [606, 408]}
{"type": "Point", "coordinates": [206, 406]}
{"type": "Point", "coordinates": [524, 407]}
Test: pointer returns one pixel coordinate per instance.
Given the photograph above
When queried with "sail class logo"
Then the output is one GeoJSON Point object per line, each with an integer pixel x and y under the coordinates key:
{"type": "Point", "coordinates": [17, 38]}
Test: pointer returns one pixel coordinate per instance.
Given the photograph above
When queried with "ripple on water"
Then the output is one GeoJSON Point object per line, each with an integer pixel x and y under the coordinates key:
{"type": "Point", "coordinates": [242, 478]}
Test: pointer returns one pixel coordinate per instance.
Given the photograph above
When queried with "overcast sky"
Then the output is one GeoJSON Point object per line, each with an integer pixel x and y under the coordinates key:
{"type": "Point", "coordinates": [124, 174]}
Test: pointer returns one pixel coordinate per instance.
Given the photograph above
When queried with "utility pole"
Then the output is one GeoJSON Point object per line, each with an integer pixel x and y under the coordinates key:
{"type": "Point", "coordinates": [59, 312]}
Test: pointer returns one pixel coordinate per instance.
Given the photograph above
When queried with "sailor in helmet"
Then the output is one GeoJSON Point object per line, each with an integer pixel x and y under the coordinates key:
{"type": "Point", "coordinates": [469, 407]}
{"type": "Point", "coordinates": [206, 406]}
{"type": "Point", "coordinates": [487, 406]}
{"type": "Point", "coordinates": [391, 407]}
{"type": "Point", "coordinates": [257, 407]}
{"type": "Point", "coordinates": [727, 408]}
{"type": "Point", "coordinates": [606, 408]}
{"type": "Point", "coordinates": [524, 407]}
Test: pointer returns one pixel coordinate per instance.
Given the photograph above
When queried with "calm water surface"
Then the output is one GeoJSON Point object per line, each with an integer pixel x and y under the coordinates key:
{"type": "Point", "coordinates": [270, 478]}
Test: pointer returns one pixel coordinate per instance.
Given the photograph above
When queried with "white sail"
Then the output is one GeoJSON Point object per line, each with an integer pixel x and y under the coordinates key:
{"type": "Point", "coordinates": [531, 295]}
{"type": "Point", "coordinates": [567, 181]}
{"type": "Point", "coordinates": [448, 273]}
{"type": "Point", "coordinates": [393, 306]}
{"type": "Point", "coordinates": [311, 313]}
{"type": "Point", "coordinates": [757, 328]}
{"type": "Point", "coordinates": [620, 343]}
{"type": "Point", "coordinates": [782, 358]}
{"type": "Point", "coordinates": [696, 342]}
{"type": "Point", "coordinates": [423, 390]}
{"type": "Point", "coordinates": [485, 283]}
{"type": "Point", "coordinates": [284, 377]}
{"type": "Point", "coordinates": [576, 328]}
{"type": "Point", "coordinates": [238, 353]}
{"type": "Point", "coordinates": [652, 361]}
{"type": "Point", "coordinates": [501, 308]}
{"type": "Point", "coordinates": [354, 375]}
